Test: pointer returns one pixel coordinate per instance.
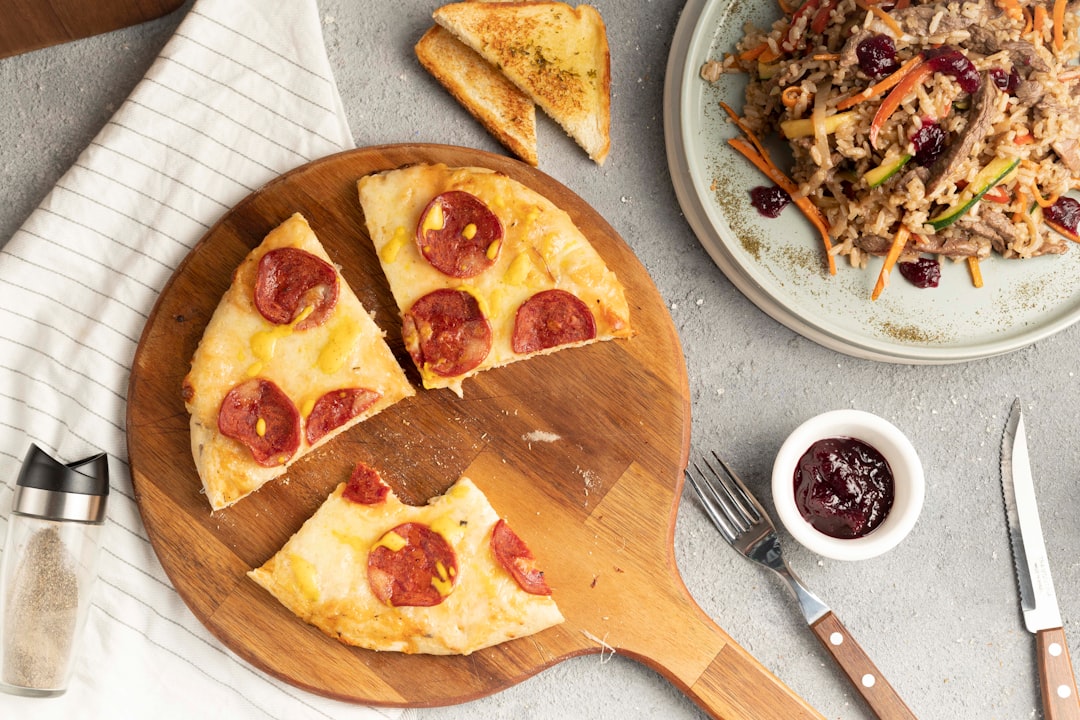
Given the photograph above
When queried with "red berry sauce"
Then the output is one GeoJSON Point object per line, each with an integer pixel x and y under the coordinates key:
{"type": "Point", "coordinates": [843, 487]}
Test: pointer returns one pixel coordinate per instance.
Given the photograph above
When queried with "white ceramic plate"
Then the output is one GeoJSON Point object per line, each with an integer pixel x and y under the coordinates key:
{"type": "Point", "coordinates": [779, 263]}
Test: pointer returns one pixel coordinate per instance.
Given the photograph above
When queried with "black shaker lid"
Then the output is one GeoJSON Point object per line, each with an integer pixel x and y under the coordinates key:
{"type": "Point", "coordinates": [89, 476]}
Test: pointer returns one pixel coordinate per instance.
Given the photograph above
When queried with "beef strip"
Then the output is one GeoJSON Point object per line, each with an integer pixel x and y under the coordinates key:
{"type": "Point", "coordinates": [980, 120]}
{"type": "Point", "coordinates": [957, 245]}
{"type": "Point", "coordinates": [848, 54]}
{"type": "Point", "coordinates": [1029, 92]}
{"type": "Point", "coordinates": [1068, 150]}
{"type": "Point", "coordinates": [916, 19]}
{"type": "Point", "coordinates": [964, 245]}
{"type": "Point", "coordinates": [873, 244]}
{"type": "Point", "coordinates": [1022, 54]}
{"type": "Point", "coordinates": [1001, 233]}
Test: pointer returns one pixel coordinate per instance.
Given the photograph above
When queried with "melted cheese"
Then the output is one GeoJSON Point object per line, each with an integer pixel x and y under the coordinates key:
{"type": "Point", "coordinates": [541, 249]}
{"type": "Point", "coordinates": [304, 574]}
{"type": "Point", "coordinates": [329, 587]}
{"type": "Point", "coordinates": [239, 343]}
{"type": "Point", "coordinates": [339, 345]}
{"type": "Point", "coordinates": [434, 220]}
{"type": "Point", "coordinates": [391, 541]}
{"type": "Point", "coordinates": [390, 251]}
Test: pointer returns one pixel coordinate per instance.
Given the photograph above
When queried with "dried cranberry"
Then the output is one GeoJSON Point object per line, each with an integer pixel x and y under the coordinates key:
{"type": "Point", "coordinates": [1065, 213]}
{"type": "Point", "coordinates": [769, 201]}
{"type": "Point", "coordinates": [952, 62]}
{"type": "Point", "coordinates": [877, 55]}
{"type": "Point", "coordinates": [929, 143]}
{"type": "Point", "coordinates": [1005, 82]}
{"type": "Point", "coordinates": [923, 273]}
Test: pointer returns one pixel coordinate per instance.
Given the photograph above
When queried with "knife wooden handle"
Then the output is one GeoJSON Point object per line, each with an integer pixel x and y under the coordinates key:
{"type": "Point", "coordinates": [860, 669]}
{"type": "Point", "coordinates": [1056, 676]}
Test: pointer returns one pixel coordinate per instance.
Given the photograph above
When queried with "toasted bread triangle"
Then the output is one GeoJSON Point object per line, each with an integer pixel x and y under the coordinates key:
{"type": "Point", "coordinates": [504, 110]}
{"type": "Point", "coordinates": [556, 54]}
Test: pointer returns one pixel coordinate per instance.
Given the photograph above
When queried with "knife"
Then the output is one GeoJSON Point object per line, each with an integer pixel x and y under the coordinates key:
{"type": "Point", "coordinates": [1037, 598]}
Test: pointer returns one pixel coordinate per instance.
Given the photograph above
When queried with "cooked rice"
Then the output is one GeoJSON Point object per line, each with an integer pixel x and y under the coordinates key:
{"type": "Point", "coordinates": [830, 169]}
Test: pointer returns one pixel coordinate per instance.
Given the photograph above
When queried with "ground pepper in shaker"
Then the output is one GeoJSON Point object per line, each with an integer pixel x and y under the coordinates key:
{"type": "Point", "coordinates": [49, 568]}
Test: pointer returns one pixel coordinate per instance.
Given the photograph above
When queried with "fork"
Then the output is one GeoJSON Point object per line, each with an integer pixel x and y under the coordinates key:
{"type": "Point", "coordinates": [745, 525]}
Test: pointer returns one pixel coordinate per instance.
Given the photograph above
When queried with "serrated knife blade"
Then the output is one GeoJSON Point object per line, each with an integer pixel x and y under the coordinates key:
{"type": "Point", "coordinates": [1038, 600]}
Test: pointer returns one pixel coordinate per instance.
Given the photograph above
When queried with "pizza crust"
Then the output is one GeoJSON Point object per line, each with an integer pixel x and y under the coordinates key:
{"type": "Point", "coordinates": [320, 575]}
{"type": "Point", "coordinates": [347, 350]}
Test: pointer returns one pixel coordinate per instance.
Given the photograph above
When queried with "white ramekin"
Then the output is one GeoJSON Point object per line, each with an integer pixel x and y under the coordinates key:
{"type": "Point", "coordinates": [909, 484]}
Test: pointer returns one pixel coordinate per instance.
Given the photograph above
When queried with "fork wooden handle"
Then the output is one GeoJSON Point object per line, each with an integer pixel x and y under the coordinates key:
{"type": "Point", "coordinates": [860, 669]}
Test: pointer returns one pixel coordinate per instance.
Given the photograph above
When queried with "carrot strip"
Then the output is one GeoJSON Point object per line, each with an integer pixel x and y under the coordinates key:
{"type": "Point", "coordinates": [901, 4]}
{"type": "Point", "coordinates": [898, 243]}
{"type": "Point", "coordinates": [1038, 20]}
{"type": "Point", "coordinates": [785, 8]}
{"type": "Point", "coordinates": [897, 96]}
{"type": "Point", "coordinates": [999, 195]}
{"type": "Point", "coordinates": [1021, 196]}
{"type": "Point", "coordinates": [745, 129]}
{"type": "Point", "coordinates": [976, 273]}
{"type": "Point", "coordinates": [1025, 139]}
{"type": "Point", "coordinates": [762, 162]}
{"type": "Point", "coordinates": [879, 89]}
{"type": "Point", "coordinates": [885, 18]}
{"type": "Point", "coordinates": [1059, 24]}
{"type": "Point", "coordinates": [1029, 22]}
{"type": "Point", "coordinates": [790, 96]}
{"type": "Point", "coordinates": [769, 56]}
{"type": "Point", "coordinates": [755, 52]}
{"type": "Point", "coordinates": [1011, 8]}
{"type": "Point", "coordinates": [1043, 202]}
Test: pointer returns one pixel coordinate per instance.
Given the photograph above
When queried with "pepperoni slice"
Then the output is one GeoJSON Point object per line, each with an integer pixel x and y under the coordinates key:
{"type": "Point", "coordinates": [336, 408]}
{"type": "Point", "coordinates": [550, 318]}
{"type": "Point", "coordinates": [290, 280]}
{"type": "Point", "coordinates": [446, 331]}
{"type": "Point", "coordinates": [514, 555]}
{"type": "Point", "coordinates": [412, 565]}
{"type": "Point", "coordinates": [365, 487]}
{"type": "Point", "coordinates": [260, 415]}
{"type": "Point", "coordinates": [459, 235]}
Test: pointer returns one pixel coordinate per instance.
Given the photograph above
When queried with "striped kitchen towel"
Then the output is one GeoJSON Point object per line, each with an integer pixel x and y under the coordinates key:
{"type": "Point", "coordinates": [242, 93]}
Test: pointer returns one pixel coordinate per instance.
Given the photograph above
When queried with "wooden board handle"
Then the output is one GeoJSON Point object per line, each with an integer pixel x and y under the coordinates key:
{"type": "Point", "coordinates": [1056, 676]}
{"type": "Point", "coordinates": [734, 685]}
{"type": "Point", "coordinates": [860, 669]}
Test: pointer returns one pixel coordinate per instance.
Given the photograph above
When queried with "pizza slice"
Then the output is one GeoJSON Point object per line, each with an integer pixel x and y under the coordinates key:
{"type": "Point", "coordinates": [485, 270]}
{"type": "Point", "coordinates": [289, 359]}
{"type": "Point", "coordinates": [449, 577]}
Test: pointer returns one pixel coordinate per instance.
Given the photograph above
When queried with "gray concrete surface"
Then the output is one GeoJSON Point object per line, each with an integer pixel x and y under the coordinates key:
{"type": "Point", "coordinates": [939, 614]}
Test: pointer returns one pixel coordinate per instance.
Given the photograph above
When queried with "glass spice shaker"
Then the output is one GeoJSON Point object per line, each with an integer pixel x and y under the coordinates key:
{"type": "Point", "coordinates": [49, 568]}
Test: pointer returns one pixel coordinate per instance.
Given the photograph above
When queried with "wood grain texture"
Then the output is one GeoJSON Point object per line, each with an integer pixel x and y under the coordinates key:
{"type": "Point", "coordinates": [1057, 680]}
{"type": "Point", "coordinates": [597, 505]}
{"type": "Point", "coordinates": [33, 24]}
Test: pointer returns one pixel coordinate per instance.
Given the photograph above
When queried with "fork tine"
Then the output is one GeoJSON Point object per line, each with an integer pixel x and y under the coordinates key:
{"type": "Point", "coordinates": [741, 496]}
{"type": "Point", "coordinates": [712, 503]}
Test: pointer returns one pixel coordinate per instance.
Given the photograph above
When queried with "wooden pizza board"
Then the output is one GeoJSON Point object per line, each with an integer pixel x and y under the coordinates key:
{"type": "Point", "coordinates": [582, 451]}
{"type": "Point", "coordinates": [33, 24]}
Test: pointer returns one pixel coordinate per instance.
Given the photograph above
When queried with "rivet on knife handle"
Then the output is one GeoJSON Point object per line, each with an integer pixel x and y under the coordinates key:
{"type": "Point", "coordinates": [1056, 676]}
{"type": "Point", "coordinates": [860, 669]}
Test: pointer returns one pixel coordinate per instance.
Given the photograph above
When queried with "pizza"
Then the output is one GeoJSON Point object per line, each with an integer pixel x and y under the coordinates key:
{"type": "Point", "coordinates": [449, 577]}
{"type": "Point", "coordinates": [289, 359]}
{"type": "Point", "coordinates": [485, 271]}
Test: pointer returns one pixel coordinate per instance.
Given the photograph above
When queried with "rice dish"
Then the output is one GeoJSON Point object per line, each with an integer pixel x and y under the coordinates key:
{"type": "Point", "coordinates": [941, 129]}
